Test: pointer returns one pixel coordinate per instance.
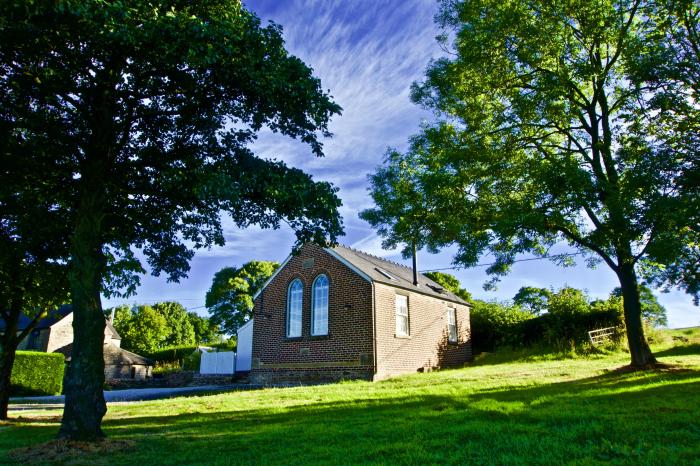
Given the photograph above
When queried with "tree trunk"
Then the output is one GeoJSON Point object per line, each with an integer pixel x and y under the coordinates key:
{"type": "Point", "coordinates": [7, 359]}
{"type": "Point", "coordinates": [85, 404]}
{"type": "Point", "coordinates": [641, 355]}
{"type": "Point", "coordinates": [8, 351]}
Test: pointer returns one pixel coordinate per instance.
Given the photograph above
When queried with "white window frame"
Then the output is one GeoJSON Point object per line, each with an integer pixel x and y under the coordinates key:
{"type": "Point", "coordinates": [289, 307]}
{"type": "Point", "coordinates": [452, 336]}
{"type": "Point", "coordinates": [402, 316]}
{"type": "Point", "coordinates": [315, 304]}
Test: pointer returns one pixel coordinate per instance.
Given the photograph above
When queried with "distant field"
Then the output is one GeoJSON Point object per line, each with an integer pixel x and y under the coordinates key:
{"type": "Point", "coordinates": [531, 409]}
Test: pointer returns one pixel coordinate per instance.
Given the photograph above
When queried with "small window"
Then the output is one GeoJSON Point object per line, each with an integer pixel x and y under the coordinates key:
{"type": "Point", "coordinates": [402, 315]}
{"type": "Point", "coordinates": [319, 306]}
{"type": "Point", "coordinates": [294, 301]}
{"type": "Point", "coordinates": [452, 325]}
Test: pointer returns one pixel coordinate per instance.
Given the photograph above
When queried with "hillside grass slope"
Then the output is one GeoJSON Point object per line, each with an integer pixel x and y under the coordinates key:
{"type": "Point", "coordinates": [504, 409]}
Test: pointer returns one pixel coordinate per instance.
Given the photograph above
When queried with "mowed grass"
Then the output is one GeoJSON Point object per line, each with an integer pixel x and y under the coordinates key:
{"type": "Point", "coordinates": [529, 410]}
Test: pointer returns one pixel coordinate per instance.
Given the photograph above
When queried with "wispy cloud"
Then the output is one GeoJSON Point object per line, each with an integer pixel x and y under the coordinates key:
{"type": "Point", "coordinates": [368, 54]}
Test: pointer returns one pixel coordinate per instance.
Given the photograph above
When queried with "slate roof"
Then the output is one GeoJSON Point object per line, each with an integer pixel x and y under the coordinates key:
{"type": "Point", "coordinates": [113, 355]}
{"type": "Point", "coordinates": [52, 318]}
{"type": "Point", "coordinates": [392, 273]}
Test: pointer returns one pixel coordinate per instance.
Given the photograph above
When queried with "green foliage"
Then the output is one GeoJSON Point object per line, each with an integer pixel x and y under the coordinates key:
{"type": "Point", "coordinates": [570, 330]}
{"type": "Point", "coordinates": [496, 324]}
{"type": "Point", "coordinates": [181, 330]}
{"type": "Point", "coordinates": [532, 144]}
{"type": "Point", "coordinates": [653, 312]}
{"type": "Point", "coordinates": [192, 362]}
{"type": "Point", "coordinates": [532, 299]}
{"type": "Point", "coordinates": [183, 73]}
{"type": "Point", "coordinates": [666, 64]}
{"type": "Point", "coordinates": [36, 374]}
{"type": "Point", "coordinates": [145, 329]}
{"type": "Point", "coordinates": [568, 301]}
{"type": "Point", "coordinates": [450, 283]}
{"type": "Point", "coordinates": [205, 331]}
{"type": "Point", "coordinates": [564, 327]}
{"type": "Point", "coordinates": [133, 122]}
{"type": "Point", "coordinates": [171, 354]}
{"type": "Point", "coordinates": [230, 298]}
{"type": "Point", "coordinates": [163, 368]}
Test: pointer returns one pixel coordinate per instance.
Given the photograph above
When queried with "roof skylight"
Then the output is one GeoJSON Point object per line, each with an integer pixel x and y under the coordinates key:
{"type": "Point", "coordinates": [385, 273]}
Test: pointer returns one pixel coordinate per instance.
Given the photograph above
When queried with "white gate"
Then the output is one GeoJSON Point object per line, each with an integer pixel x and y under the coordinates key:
{"type": "Point", "coordinates": [244, 350]}
{"type": "Point", "coordinates": [217, 363]}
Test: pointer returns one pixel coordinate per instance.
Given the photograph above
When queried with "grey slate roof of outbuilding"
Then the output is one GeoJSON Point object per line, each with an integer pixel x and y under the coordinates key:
{"type": "Point", "coordinates": [113, 355]}
{"type": "Point", "coordinates": [53, 317]}
{"type": "Point", "coordinates": [401, 275]}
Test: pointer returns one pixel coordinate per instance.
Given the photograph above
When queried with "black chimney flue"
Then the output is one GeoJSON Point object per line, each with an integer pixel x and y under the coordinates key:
{"type": "Point", "coordinates": [415, 266]}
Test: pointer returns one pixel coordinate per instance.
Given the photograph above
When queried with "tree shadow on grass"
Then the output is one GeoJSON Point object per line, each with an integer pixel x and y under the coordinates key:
{"type": "Point", "coordinates": [612, 417]}
{"type": "Point", "coordinates": [684, 350]}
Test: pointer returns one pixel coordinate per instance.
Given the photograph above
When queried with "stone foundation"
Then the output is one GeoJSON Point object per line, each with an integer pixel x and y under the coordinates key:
{"type": "Point", "coordinates": [309, 376]}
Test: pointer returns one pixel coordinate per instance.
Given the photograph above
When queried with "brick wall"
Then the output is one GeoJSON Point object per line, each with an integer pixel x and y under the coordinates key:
{"type": "Point", "coordinates": [427, 345]}
{"type": "Point", "coordinates": [347, 350]}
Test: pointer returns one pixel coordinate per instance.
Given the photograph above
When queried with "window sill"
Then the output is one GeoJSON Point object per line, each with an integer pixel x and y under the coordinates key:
{"type": "Point", "coordinates": [319, 337]}
{"type": "Point", "coordinates": [403, 337]}
{"type": "Point", "coordinates": [293, 338]}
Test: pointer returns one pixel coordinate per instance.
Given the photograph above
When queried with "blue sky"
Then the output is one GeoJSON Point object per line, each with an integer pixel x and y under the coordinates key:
{"type": "Point", "coordinates": [367, 53]}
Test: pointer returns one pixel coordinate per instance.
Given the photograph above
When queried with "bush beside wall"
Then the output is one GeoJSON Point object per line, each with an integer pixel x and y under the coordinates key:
{"type": "Point", "coordinates": [35, 373]}
{"type": "Point", "coordinates": [496, 325]}
{"type": "Point", "coordinates": [171, 354]}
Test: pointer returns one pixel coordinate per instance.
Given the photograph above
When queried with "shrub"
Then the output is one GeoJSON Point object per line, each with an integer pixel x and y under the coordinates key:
{"type": "Point", "coordinates": [35, 373]}
{"type": "Point", "coordinates": [163, 368]}
{"type": "Point", "coordinates": [192, 362]}
{"type": "Point", "coordinates": [564, 328]}
{"type": "Point", "coordinates": [171, 354]}
{"type": "Point", "coordinates": [496, 324]}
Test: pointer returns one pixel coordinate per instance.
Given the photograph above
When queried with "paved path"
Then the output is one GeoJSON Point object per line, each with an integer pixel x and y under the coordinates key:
{"type": "Point", "coordinates": [132, 394]}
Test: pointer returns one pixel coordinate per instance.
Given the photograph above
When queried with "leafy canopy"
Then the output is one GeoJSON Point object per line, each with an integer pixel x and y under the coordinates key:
{"type": "Point", "coordinates": [230, 298]}
{"type": "Point", "coordinates": [547, 131]}
{"type": "Point", "coordinates": [533, 299]}
{"type": "Point", "coordinates": [150, 108]}
{"type": "Point", "coordinates": [136, 119]}
{"type": "Point", "coordinates": [450, 283]}
{"type": "Point", "coordinates": [146, 329]}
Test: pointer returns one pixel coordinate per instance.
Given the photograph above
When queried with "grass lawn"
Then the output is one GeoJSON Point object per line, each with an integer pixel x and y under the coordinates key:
{"type": "Point", "coordinates": [528, 410]}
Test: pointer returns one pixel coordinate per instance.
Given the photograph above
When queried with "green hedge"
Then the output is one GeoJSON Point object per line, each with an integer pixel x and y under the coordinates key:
{"type": "Point", "coordinates": [35, 373]}
{"type": "Point", "coordinates": [171, 354]}
{"type": "Point", "coordinates": [495, 325]}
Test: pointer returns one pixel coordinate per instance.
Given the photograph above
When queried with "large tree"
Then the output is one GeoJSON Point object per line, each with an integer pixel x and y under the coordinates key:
{"type": "Point", "coordinates": [531, 145]}
{"type": "Point", "coordinates": [666, 61]}
{"type": "Point", "coordinates": [230, 298]}
{"type": "Point", "coordinates": [143, 113]}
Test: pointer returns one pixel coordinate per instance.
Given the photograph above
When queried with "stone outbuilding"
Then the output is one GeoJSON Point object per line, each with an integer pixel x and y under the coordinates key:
{"type": "Point", "coordinates": [54, 333]}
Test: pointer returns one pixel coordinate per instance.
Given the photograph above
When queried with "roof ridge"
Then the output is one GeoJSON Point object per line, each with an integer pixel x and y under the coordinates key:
{"type": "Point", "coordinates": [376, 257]}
